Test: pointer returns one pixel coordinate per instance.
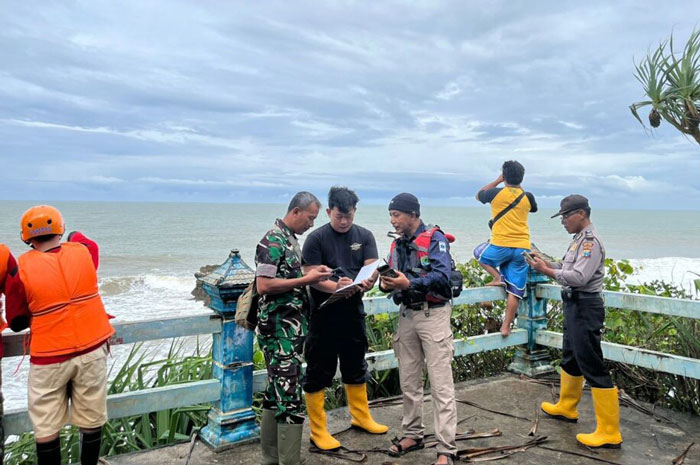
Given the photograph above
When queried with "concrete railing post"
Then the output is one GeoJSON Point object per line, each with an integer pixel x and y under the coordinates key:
{"type": "Point", "coordinates": [231, 420]}
{"type": "Point", "coordinates": [532, 360]}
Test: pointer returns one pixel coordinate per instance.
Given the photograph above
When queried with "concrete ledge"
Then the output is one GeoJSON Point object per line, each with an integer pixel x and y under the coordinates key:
{"type": "Point", "coordinates": [646, 441]}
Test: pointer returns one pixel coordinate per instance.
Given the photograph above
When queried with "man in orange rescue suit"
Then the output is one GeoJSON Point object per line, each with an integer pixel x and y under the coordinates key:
{"type": "Point", "coordinates": [55, 294]}
{"type": "Point", "coordinates": [7, 265]}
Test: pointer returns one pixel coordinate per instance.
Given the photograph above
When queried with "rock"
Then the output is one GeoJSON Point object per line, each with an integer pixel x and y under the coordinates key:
{"type": "Point", "coordinates": [198, 292]}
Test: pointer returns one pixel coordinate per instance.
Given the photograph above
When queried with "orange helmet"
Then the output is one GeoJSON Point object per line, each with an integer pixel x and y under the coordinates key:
{"type": "Point", "coordinates": [41, 220]}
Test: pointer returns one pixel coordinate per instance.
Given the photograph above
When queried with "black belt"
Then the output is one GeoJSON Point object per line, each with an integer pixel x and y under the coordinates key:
{"type": "Point", "coordinates": [572, 294]}
{"type": "Point", "coordinates": [419, 305]}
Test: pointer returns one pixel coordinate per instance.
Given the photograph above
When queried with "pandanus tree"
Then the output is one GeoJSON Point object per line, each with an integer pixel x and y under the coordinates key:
{"type": "Point", "coordinates": [671, 81]}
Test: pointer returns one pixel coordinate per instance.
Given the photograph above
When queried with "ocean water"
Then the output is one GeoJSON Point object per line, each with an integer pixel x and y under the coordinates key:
{"type": "Point", "coordinates": [149, 252]}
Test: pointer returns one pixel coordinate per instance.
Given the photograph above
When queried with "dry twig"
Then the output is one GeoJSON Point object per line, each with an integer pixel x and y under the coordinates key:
{"type": "Point", "coordinates": [533, 430]}
{"type": "Point", "coordinates": [681, 458]}
{"type": "Point", "coordinates": [579, 454]}
{"type": "Point", "coordinates": [473, 404]}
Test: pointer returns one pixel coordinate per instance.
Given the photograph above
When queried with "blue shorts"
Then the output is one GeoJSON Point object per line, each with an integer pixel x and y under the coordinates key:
{"type": "Point", "coordinates": [511, 264]}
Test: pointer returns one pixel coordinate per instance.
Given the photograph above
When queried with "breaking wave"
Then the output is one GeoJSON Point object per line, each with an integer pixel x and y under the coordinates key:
{"type": "Point", "coordinates": [678, 270]}
{"type": "Point", "coordinates": [123, 284]}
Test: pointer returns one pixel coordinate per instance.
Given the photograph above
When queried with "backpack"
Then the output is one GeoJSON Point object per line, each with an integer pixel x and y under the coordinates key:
{"type": "Point", "coordinates": [456, 279]}
{"type": "Point", "coordinates": [247, 308]}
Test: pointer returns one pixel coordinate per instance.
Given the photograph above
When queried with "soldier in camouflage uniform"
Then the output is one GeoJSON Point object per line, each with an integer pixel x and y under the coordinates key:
{"type": "Point", "coordinates": [282, 327]}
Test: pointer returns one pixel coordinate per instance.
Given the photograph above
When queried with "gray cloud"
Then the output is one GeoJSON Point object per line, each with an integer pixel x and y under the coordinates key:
{"type": "Point", "coordinates": [247, 102]}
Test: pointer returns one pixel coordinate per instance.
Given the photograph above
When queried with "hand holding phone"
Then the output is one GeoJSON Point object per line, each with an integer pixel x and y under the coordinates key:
{"type": "Point", "coordinates": [338, 272]}
{"type": "Point", "coordinates": [528, 257]}
{"type": "Point", "coordinates": [385, 270]}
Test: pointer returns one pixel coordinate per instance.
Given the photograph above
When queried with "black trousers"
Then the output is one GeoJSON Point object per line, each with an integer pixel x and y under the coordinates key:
{"type": "Point", "coordinates": [583, 325]}
{"type": "Point", "coordinates": [335, 336]}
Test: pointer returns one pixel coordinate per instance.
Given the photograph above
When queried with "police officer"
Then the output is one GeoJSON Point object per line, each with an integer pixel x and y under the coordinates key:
{"type": "Point", "coordinates": [422, 264]}
{"type": "Point", "coordinates": [337, 330]}
{"type": "Point", "coordinates": [581, 275]}
{"type": "Point", "coordinates": [282, 327]}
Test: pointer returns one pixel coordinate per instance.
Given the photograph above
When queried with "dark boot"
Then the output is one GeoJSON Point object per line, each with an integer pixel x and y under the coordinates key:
{"type": "Point", "coordinates": [49, 453]}
{"type": "Point", "coordinates": [90, 446]}
{"type": "Point", "coordinates": [268, 438]}
{"type": "Point", "coordinates": [289, 444]}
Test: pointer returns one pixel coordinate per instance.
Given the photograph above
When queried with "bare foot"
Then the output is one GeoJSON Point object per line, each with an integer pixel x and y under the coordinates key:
{"type": "Point", "coordinates": [443, 460]}
{"type": "Point", "coordinates": [505, 330]}
{"type": "Point", "coordinates": [495, 283]}
{"type": "Point", "coordinates": [405, 444]}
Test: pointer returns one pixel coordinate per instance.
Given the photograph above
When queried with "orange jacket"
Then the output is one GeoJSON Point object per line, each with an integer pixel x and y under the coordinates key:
{"type": "Point", "coordinates": [4, 257]}
{"type": "Point", "coordinates": [67, 312]}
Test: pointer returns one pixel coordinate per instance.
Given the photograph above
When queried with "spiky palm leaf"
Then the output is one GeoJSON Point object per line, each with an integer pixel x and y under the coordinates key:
{"type": "Point", "coordinates": [671, 81]}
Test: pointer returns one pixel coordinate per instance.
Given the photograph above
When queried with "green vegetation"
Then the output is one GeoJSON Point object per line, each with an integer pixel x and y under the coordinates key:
{"type": "Point", "coordinates": [138, 432]}
{"type": "Point", "coordinates": [671, 81]}
{"type": "Point", "coordinates": [679, 336]}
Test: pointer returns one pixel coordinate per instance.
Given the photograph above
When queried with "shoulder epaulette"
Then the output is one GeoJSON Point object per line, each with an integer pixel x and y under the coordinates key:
{"type": "Point", "coordinates": [589, 234]}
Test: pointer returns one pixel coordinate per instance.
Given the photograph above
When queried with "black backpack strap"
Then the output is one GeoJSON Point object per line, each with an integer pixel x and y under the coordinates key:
{"type": "Point", "coordinates": [502, 213]}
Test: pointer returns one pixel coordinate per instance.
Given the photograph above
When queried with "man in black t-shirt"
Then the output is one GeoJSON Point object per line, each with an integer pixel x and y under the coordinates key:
{"type": "Point", "coordinates": [337, 331]}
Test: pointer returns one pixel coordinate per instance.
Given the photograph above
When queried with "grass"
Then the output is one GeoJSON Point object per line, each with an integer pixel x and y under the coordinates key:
{"type": "Point", "coordinates": [138, 432]}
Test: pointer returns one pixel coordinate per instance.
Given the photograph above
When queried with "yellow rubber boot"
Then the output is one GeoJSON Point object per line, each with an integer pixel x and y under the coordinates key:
{"type": "Point", "coordinates": [607, 415]}
{"type": "Point", "coordinates": [359, 409]}
{"type": "Point", "coordinates": [320, 436]}
{"type": "Point", "coordinates": [569, 397]}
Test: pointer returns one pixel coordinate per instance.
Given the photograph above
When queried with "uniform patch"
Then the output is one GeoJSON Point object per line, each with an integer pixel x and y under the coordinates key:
{"type": "Point", "coordinates": [443, 246]}
{"type": "Point", "coordinates": [425, 261]}
{"type": "Point", "coordinates": [586, 249]}
{"type": "Point", "coordinates": [355, 246]}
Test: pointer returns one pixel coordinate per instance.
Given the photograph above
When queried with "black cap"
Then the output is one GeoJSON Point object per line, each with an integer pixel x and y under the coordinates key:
{"type": "Point", "coordinates": [405, 202]}
{"type": "Point", "coordinates": [570, 203]}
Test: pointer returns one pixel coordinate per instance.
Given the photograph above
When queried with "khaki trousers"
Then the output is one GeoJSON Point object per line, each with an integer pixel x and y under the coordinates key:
{"type": "Point", "coordinates": [49, 406]}
{"type": "Point", "coordinates": [427, 340]}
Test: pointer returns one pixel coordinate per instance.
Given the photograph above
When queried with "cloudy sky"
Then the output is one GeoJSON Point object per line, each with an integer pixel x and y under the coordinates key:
{"type": "Point", "coordinates": [253, 101]}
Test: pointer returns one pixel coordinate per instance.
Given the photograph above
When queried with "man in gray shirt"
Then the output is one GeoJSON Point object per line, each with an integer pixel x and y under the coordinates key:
{"type": "Point", "coordinates": [581, 275]}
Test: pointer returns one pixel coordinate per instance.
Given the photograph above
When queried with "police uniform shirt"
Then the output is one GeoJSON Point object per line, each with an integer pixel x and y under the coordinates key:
{"type": "Point", "coordinates": [583, 265]}
{"type": "Point", "coordinates": [349, 251]}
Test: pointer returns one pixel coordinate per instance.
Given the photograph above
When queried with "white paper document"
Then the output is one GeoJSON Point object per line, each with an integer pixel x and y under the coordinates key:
{"type": "Point", "coordinates": [365, 273]}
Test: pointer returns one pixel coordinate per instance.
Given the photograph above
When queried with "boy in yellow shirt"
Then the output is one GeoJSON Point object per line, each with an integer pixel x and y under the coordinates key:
{"type": "Point", "coordinates": [510, 235]}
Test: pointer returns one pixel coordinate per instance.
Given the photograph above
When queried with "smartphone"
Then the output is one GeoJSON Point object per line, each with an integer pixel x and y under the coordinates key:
{"type": "Point", "coordinates": [385, 270]}
{"type": "Point", "coordinates": [337, 272]}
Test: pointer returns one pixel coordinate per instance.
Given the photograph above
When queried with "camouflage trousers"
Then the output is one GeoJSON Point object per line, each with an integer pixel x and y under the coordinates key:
{"type": "Point", "coordinates": [283, 357]}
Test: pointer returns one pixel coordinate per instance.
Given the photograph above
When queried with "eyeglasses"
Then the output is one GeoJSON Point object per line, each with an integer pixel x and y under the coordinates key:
{"type": "Point", "coordinates": [567, 215]}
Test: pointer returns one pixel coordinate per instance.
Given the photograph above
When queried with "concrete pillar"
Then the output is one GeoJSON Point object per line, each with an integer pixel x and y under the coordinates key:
{"type": "Point", "coordinates": [231, 419]}
{"type": "Point", "coordinates": [531, 359]}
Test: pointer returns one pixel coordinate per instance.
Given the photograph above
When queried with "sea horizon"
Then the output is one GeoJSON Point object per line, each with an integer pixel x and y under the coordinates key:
{"type": "Point", "coordinates": [371, 202]}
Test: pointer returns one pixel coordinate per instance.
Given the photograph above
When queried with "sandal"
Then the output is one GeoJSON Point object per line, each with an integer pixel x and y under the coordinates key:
{"type": "Point", "coordinates": [400, 450]}
{"type": "Point", "coordinates": [450, 458]}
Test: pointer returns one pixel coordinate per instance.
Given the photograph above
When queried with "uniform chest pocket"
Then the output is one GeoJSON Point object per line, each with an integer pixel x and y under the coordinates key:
{"type": "Point", "coordinates": [570, 256]}
{"type": "Point", "coordinates": [293, 264]}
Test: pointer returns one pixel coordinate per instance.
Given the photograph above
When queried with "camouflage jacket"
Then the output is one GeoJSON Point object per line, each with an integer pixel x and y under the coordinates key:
{"type": "Point", "coordinates": [278, 256]}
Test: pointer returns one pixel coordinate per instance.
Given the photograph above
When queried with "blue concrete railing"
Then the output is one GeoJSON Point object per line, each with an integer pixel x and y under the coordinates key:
{"type": "Point", "coordinates": [231, 421]}
{"type": "Point", "coordinates": [657, 361]}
